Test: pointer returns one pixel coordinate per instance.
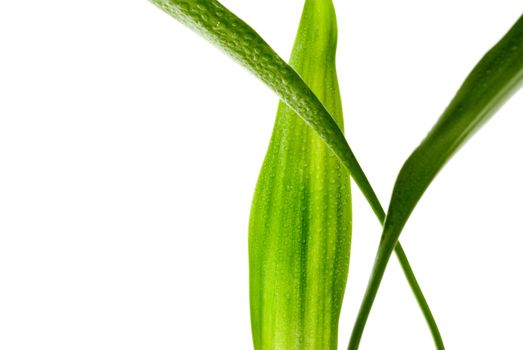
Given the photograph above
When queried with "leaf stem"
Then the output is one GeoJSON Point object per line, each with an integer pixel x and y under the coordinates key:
{"type": "Point", "coordinates": [420, 298]}
{"type": "Point", "coordinates": [411, 279]}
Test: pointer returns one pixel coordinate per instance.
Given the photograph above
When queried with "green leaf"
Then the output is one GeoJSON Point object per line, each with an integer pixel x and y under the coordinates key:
{"type": "Point", "coordinates": [494, 79]}
{"type": "Point", "coordinates": [222, 28]}
{"type": "Point", "coordinates": [300, 225]}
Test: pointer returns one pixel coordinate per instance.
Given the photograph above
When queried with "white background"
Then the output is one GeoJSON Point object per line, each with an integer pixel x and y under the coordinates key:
{"type": "Point", "coordinates": [129, 151]}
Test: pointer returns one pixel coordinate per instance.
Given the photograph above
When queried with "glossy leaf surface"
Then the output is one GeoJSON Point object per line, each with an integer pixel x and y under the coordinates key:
{"type": "Point", "coordinates": [300, 225]}
{"type": "Point", "coordinates": [221, 27]}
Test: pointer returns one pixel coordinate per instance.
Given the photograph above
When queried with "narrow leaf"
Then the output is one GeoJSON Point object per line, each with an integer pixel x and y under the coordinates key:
{"type": "Point", "coordinates": [494, 79]}
{"type": "Point", "coordinates": [300, 226]}
{"type": "Point", "coordinates": [221, 27]}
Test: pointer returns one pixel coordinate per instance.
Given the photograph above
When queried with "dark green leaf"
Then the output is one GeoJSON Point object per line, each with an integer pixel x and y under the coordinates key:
{"type": "Point", "coordinates": [494, 79]}
{"type": "Point", "coordinates": [225, 30]}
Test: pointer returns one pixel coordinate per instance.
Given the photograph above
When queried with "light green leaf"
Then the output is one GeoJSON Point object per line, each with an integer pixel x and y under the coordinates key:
{"type": "Point", "coordinates": [494, 79]}
{"type": "Point", "coordinates": [300, 226]}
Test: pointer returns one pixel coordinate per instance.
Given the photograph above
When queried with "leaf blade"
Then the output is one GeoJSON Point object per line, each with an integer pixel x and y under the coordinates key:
{"type": "Point", "coordinates": [300, 225]}
{"type": "Point", "coordinates": [497, 76]}
{"type": "Point", "coordinates": [225, 30]}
